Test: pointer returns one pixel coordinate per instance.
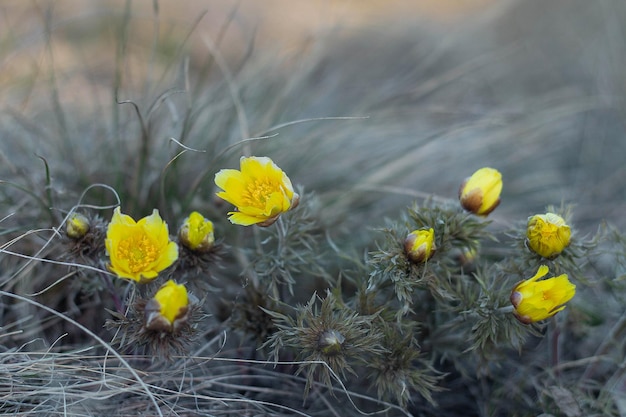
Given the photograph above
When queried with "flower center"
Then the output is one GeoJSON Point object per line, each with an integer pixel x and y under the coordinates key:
{"type": "Point", "coordinates": [259, 191]}
{"type": "Point", "coordinates": [139, 250]}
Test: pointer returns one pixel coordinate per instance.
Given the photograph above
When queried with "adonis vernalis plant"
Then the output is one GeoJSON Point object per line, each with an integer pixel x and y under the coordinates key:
{"type": "Point", "coordinates": [535, 300]}
{"type": "Point", "coordinates": [379, 295]}
{"type": "Point", "coordinates": [420, 245]}
{"type": "Point", "coordinates": [139, 250]}
{"type": "Point", "coordinates": [197, 233]}
{"type": "Point", "coordinates": [260, 190]}
{"type": "Point", "coordinates": [169, 305]}
{"type": "Point", "coordinates": [547, 234]}
{"type": "Point", "coordinates": [480, 193]}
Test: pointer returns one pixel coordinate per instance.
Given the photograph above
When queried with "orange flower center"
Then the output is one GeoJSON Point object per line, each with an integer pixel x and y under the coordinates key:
{"type": "Point", "coordinates": [549, 296]}
{"type": "Point", "coordinates": [139, 250]}
{"type": "Point", "coordinates": [258, 191]}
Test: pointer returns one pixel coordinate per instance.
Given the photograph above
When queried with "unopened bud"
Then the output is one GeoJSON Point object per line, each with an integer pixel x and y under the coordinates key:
{"type": "Point", "coordinates": [547, 234]}
{"type": "Point", "coordinates": [480, 193]}
{"type": "Point", "coordinates": [168, 308]}
{"type": "Point", "coordinates": [419, 245]}
{"type": "Point", "coordinates": [77, 226]}
{"type": "Point", "coordinates": [196, 233]}
{"type": "Point", "coordinates": [330, 342]}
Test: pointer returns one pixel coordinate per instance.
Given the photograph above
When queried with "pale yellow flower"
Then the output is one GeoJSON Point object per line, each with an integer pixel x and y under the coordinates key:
{"type": "Point", "coordinates": [261, 191]}
{"type": "Point", "coordinates": [196, 233]}
{"type": "Point", "coordinates": [535, 300]}
{"type": "Point", "coordinates": [77, 226]}
{"type": "Point", "coordinates": [420, 245]}
{"type": "Point", "coordinates": [547, 234]}
{"type": "Point", "coordinates": [480, 193]}
{"type": "Point", "coordinates": [139, 250]}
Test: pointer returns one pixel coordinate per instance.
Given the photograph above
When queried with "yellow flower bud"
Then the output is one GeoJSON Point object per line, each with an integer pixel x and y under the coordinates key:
{"type": "Point", "coordinates": [480, 193]}
{"type": "Point", "coordinates": [196, 233]}
{"type": "Point", "coordinates": [547, 234]}
{"type": "Point", "coordinates": [77, 226]}
{"type": "Point", "coordinates": [169, 306]}
{"type": "Point", "coordinates": [535, 300]}
{"type": "Point", "coordinates": [419, 245]}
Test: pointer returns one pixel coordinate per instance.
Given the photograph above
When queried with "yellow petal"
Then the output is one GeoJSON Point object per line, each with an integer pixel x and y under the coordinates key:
{"type": "Point", "coordinates": [242, 219]}
{"type": "Point", "coordinates": [172, 298]}
{"type": "Point", "coordinates": [535, 300]}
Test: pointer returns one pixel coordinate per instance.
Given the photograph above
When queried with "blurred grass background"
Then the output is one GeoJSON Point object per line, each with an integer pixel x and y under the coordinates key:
{"type": "Point", "coordinates": [532, 88]}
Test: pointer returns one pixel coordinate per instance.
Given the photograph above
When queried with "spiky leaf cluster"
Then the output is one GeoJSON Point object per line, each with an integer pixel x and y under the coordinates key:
{"type": "Point", "coordinates": [328, 336]}
{"type": "Point", "coordinates": [456, 233]}
{"type": "Point", "coordinates": [493, 325]}
{"type": "Point", "coordinates": [250, 314]}
{"type": "Point", "coordinates": [131, 331]}
{"type": "Point", "coordinates": [400, 370]}
{"type": "Point", "coordinates": [571, 261]}
{"type": "Point", "coordinates": [290, 248]}
{"type": "Point", "coordinates": [198, 269]}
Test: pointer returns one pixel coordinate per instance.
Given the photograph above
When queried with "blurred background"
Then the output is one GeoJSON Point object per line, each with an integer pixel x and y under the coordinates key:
{"type": "Point", "coordinates": [438, 89]}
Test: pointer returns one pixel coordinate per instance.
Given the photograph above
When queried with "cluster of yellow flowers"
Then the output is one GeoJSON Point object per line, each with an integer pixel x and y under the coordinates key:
{"type": "Point", "coordinates": [547, 235]}
{"type": "Point", "coordinates": [140, 250]}
{"type": "Point", "coordinates": [261, 192]}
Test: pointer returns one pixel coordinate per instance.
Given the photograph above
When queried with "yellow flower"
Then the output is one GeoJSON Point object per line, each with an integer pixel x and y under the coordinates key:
{"type": "Point", "coordinates": [261, 191]}
{"type": "Point", "coordinates": [420, 245]}
{"type": "Point", "coordinates": [139, 250]}
{"type": "Point", "coordinates": [480, 193]}
{"type": "Point", "coordinates": [77, 226]}
{"type": "Point", "coordinates": [538, 300]}
{"type": "Point", "coordinates": [168, 308]}
{"type": "Point", "coordinates": [196, 233]}
{"type": "Point", "coordinates": [547, 234]}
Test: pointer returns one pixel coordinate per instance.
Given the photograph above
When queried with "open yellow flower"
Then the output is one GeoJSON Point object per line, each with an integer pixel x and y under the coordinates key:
{"type": "Point", "coordinates": [547, 234]}
{"type": "Point", "coordinates": [196, 233]}
{"type": "Point", "coordinates": [480, 193]}
{"type": "Point", "coordinates": [419, 245]}
{"type": "Point", "coordinates": [535, 300]}
{"type": "Point", "coordinates": [168, 306]}
{"type": "Point", "coordinates": [139, 250]}
{"type": "Point", "coordinates": [261, 191]}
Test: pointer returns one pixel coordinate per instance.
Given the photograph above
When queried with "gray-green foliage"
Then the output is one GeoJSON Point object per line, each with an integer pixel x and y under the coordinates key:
{"type": "Point", "coordinates": [324, 302]}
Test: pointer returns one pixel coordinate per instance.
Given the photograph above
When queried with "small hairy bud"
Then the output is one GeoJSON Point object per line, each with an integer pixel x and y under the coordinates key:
{"type": "Point", "coordinates": [196, 233]}
{"type": "Point", "coordinates": [77, 226]}
{"type": "Point", "coordinates": [480, 193]}
{"type": "Point", "coordinates": [419, 245]}
{"type": "Point", "coordinates": [330, 342]}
